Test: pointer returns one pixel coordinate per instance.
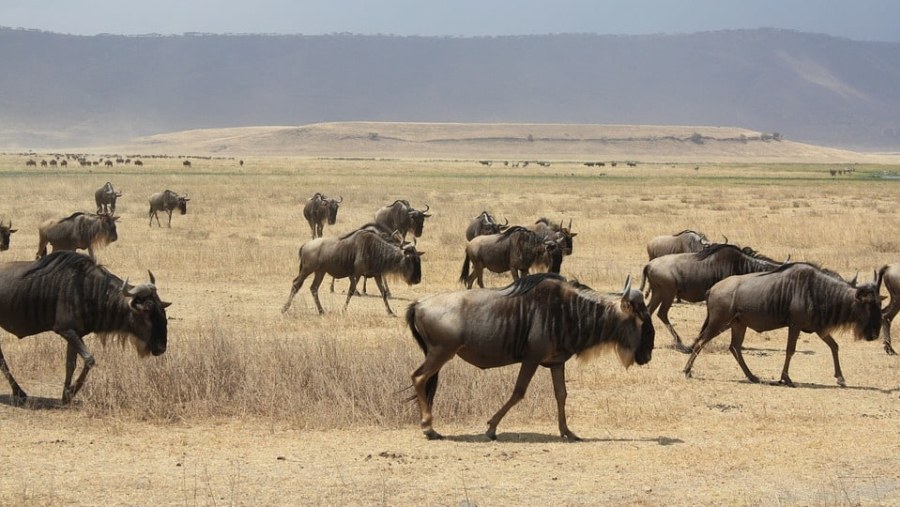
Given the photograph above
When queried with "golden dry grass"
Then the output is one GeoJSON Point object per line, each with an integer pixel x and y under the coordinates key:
{"type": "Point", "coordinates": [250, 406]}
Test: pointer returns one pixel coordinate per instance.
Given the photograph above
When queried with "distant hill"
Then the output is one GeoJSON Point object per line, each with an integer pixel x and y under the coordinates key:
{"type": "Point", "coordinates": [61, 90]}
{"type": "Point", "coordinates": [493, 141]}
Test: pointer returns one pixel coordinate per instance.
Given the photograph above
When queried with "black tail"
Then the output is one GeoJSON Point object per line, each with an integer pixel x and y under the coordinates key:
{"type": "Point", "coordinates": [431, 385]}
{"type": "Point", "coordinates": [464, 276]}
{"type": "Point", "coordinates": [644, 280]}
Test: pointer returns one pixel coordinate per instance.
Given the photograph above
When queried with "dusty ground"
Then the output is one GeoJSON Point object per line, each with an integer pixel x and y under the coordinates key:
{"type": "Point", "coordinates": [721, 441]}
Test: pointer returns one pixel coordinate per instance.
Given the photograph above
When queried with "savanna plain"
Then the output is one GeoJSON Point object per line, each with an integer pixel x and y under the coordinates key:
{"type": "Point", "coordinates": [250, 406]}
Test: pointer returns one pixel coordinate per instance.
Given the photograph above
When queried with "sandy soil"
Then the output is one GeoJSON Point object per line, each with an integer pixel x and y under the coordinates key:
{"type": "Point", "coordinates": [711, 440]}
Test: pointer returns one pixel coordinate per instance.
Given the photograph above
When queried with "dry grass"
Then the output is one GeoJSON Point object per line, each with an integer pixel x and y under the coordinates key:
{"type": "Point", "coordinates": [227, 266]}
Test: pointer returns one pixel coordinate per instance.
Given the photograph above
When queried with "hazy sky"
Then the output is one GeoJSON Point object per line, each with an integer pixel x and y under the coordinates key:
{"type": "Point", "coordinates": [855, 19]}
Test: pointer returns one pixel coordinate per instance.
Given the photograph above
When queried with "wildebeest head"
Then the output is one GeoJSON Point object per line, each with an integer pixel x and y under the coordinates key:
{"type": "Point", "coordinates": [867, 308]}
{"type": "Point", "coordinates": [182, 204]}
{"type": "Point", "coordinates": [150, 325]}
{"type": "Point", "coordinates": [108, 228]}
{"type": "Point", "coordinates": [632, 305]}
{"type": "Point", "coordinates": [333, 209]}
{"type": "Point", "coordinates": [417, 217]}
{"type": "Point", "coordinates": [412, 265]}
{"type": "Point", "coordinates": [5, 231]}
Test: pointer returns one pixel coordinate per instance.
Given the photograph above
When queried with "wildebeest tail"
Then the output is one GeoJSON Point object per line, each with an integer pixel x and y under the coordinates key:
{"type": "Point", "coordinates": [464, 276]}
{"type": "Point", "coordinates": [431, 385]}
{"type": "Point", "coordinates": [644, 280]}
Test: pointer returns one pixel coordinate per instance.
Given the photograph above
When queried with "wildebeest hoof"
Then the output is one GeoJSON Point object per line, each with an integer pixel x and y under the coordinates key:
{"type": "Point", "coordinates": [688, 374]}
{"type": "Point", "coordinates": [433, 435]}
{"type": "Point", "coordinates": [840, 382]}
{"type": "Point", "coordinates": [571, 437]}
{"type": "Point", "coordinates": [753, 379]}
{"type": "Point", "coordinates": [684, 349]}
{"type": "Point", "coordinates": [787, 381]}
{"type": "Point", "coordinates": [889, 350]}
{"type": "Point", "coordinates": [491, 434]}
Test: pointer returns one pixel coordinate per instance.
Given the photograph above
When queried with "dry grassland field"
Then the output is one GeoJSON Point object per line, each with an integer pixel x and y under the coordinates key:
{"type": "Point", "coordinates": [250, 406]}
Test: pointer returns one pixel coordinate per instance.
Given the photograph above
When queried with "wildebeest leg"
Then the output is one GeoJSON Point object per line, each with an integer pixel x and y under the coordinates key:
{"type": "Point", "coordinates": [75, 347]}
{"type": "Point", "coordinates": [295, 286]}
{"type": "Point", "coordinates": [887, 315]}
{"type": "Point", "coordinates": [314, 290]}
{"type": "Point", "coordinates": [170, 218]}
{"type": "Point", "coordinates": [525, 373]}
{"type": "Point", "coordinates": [351, 290]}
{"type": "Point", "coordinates": [425, 383]}
{"type": "Point", "coordinates": [738, 331]}
{"type": "Point", "coordinates": [379, 281]}
{"type": "Point", "coordinates": [664, 317]}
{"type": "Point", "coordinates": [707, 333]}
{"type": "Point", "coordinates": [558, 373]}
{"type": "Point", "coordinates": [793, 336]}
{"type": "Point", "coordinates": [19, 395]}
{"type": "Point", "coordinates": [834, 354]}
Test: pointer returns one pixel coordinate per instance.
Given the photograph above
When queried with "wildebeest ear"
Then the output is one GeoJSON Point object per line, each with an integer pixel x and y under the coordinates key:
{"type": "Point", "coordinates": [165, 304]}
{"type": "Point", "coordinates": [13, 230]}
{"type": "Point", "coordinates": [572, 235]}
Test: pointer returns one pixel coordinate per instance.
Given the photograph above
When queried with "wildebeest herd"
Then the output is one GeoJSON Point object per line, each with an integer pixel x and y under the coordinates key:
{"type": "Point", "coordinates": [540, 319]}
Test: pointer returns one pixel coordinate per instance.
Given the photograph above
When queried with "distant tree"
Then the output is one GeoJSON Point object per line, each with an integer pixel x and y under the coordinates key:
{"type": "Point", "coordinates": [373, 136]}
{"type": "Point", "coordinates": [530, 138]}
{"type": "Point", "coordinates": [697, 138]}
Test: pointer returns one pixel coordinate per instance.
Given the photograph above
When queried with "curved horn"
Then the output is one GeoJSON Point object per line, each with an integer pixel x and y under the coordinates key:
{"type": "Point", "coordinates": [340, 199]}
{"type": "Point", "coordinates": [853, 280]}
{"type": "Point", "coordinates": [126, 290]}
{"type": "Point", "coordinates": [570, 224]}
{"type": "Point", "coordinates": [427, 207]}
{"type": "Point", "coordinates": [506, 220]}
{"type": "Point", "coordinates": [726, 238]}
{"type": "Point", "coordinates": [627, 289]}
{"type": "Point", "coordinates": [152, 278]}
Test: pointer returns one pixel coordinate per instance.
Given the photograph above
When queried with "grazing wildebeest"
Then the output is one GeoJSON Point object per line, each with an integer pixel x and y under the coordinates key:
{"type": "Point", "coordinates": [317, 210]}
{"type": "Point", "coordinates": [689, 275]}
{"type": "Point", "coordinates": [69, 294]}
{"type": "Point", "coordinates": [484, 224]}
{"type": "Point", "coordinates": [359, 253]}
{"type": "Point", "coordinates": [186, 163]}
{"type": "Point", "coordinates": [77, 231]}
{"type": "Point", "coordinates": [890, 275]}
{"type": "Point", "coordinates": [539, 320]}
{"type": "Point", "coordinates": [5, 231]}
{"type": "Point", "coordinates": [138, 162]}
{"type": "Point", "coordinates": [400, 216]}
{"type": "Point", "coordinates": [105, 197]}
{"type": "Point", "coordinates": [515, 250]}
{"type": "Point", "coordinates": [686, 241]}
{"type": "Point", "coordinates": [798, 296]}
{"type": "Point", "coordinates": [167, 201]}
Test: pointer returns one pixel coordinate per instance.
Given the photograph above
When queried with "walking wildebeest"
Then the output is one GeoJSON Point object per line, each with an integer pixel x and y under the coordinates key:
{"type": "Point", "coordinates": [798, 296]}
{"type": "Point", "coordinates": [686, 241]}
{"type": "Point", "coordinates": [539, 320]}
{"type": "Point", "coordinates": [890, 275]}
{"type": "Point", "coordinates": [105, 197]}
{"type": "Point", "coordinates": [689, 275]}
{"type": "Point", "coordinates": [484, 224]}
{"type": "Point", "coordinates": [167, 201]}
{"type": "Point", "coordinates": [389, 236]}
{"type": "Point", "coordinates": [515, 250]}
{"type": "Point", "coordinates": [547, 230]}
{"type": "Point", "coordinates": [69, 294]}
{"type": "Point", "coordinates": [317, 210]}
{"type": "Point", "coordinates": [359, 253]}
{"type": "Point", "coordinates": [77, 231]}
{"type": "Point", "coordinates": [400, 216]}
{"type": "Point", "coordinates": [5, 231]}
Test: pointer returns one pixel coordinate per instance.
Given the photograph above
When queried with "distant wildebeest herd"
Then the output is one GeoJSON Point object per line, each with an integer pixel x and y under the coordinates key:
{"type": "Point", "coordinates": [540, 319]}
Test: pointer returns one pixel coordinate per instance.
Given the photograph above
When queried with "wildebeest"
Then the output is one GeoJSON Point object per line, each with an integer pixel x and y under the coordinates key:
{"type": "Point", "coordinates": [890, 275]}
{"type": "Point", "coordinates": [317, 210]}
{"type": "Point", "coordinates": [167, 201]}
{"type": "Point", "coordinates": [69, 294]}
{"type": "Point", "coordinates": [539, 320]}
{"type": "Point", "coordinates": [798, 296]}
{"type": "Point", "coordinates": [359, 253]}
{"type": "Point", "coordinates": [689, 275]}
{"type": "Point", "coordinates": [400, 216]}
{"type": "Point", "coordinates": [186, 163]}
{"type": "Point", "coordinates": [5, 231]}
{"type": "Point", "coordinates": [484, 224]}
{"type": "Point", "coordinates": [389, 236]}
{"type": "Point", "coordinates": [686, 241]}
{"type": "Point", "coordinates": [515, 250]}
{"type": "Point", "coordinates": [105, 197]}
{"type": "Point", "coordinates": [547, 230]}
{"type": "Point", "coordinates": [77, 231]}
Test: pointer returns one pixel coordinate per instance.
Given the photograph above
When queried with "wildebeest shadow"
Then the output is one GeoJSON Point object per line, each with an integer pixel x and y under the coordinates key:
{"type": "Point", "coordinates": [543, 438]}
{"type": "Point", "coordinates": [839, 388]}
{"type": "Point", "coordinates": [32, 403]}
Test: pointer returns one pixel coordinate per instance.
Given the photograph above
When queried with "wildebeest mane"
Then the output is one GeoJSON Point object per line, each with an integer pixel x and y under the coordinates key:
{"type": "Point", "coordinates": [527, 283]}
{"type": "Point", "coordinates": [719, 247]}
{"type": "Point", "coordinates": [689, 231]}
